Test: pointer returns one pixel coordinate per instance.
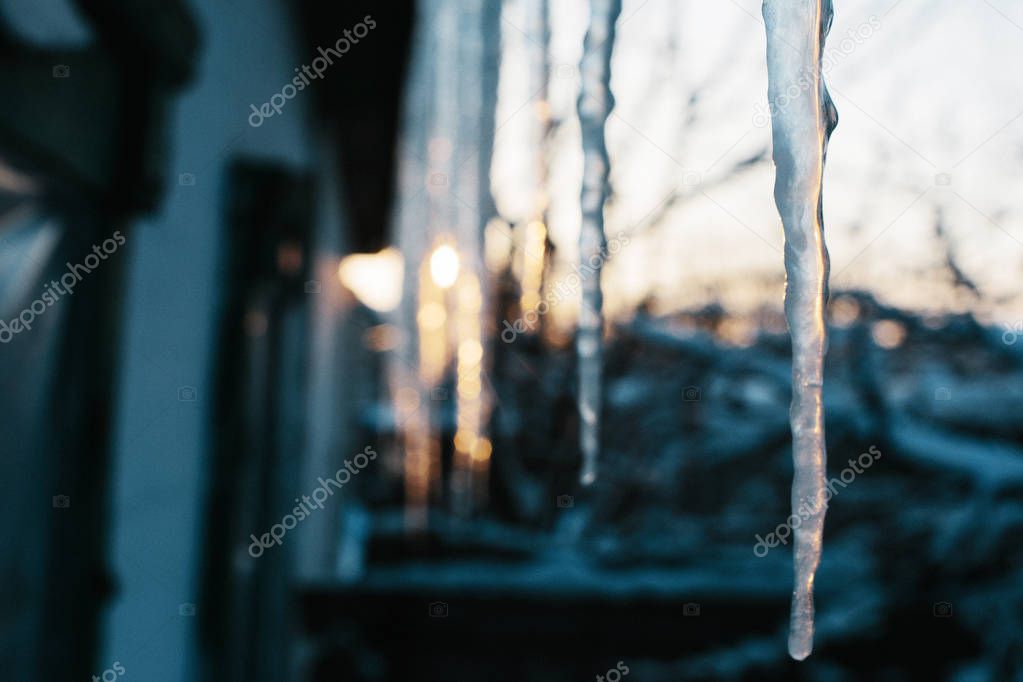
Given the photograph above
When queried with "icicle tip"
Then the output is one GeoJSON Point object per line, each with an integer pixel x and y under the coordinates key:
{"type": "Point", "coordinates": [588, 478]}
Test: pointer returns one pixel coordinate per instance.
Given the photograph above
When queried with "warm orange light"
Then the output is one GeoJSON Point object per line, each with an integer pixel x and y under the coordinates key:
{"type": "Point", "coordinates": [888, 333]}
{"type": "Point", "coordinates": [481, 450]}
{"type": "Point", "coordinates": [444, 266]}
{"type": "Point", "coordinates": [470, 351]}
{"type": "Point", "coordinates": [374, 278]}
{"type": "Point", "coordinates": [534, 246]}
{"type": "Point", "coordinates": [471, 405]}
{"type": "Point", "coordinates": [464, 440]}
{"type": "Point", "coordinates": [432, 315]}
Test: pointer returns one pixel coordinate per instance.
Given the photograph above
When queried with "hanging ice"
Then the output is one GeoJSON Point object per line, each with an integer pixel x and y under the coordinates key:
{"type": "Point", "coordinates": [803, 117]}
{"type": "Point", "coordinates": [595, 103]}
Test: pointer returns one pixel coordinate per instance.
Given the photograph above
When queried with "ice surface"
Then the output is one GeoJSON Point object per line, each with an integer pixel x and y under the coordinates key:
{"type": "Point", "coordinates": [803, 117]}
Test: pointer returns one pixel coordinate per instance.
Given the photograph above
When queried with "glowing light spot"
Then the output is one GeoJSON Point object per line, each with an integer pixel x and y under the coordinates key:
{"type": "Point", "coordinates": [498, 244]}
{"type": "Point", "coordinates": [888, 333]}
{"type": "Point", "coordinates": [464, 440]}
{"type": "Point", "coordinates": [844, 311]}
{"type": "Point", "coordinates": [469, 298]}
{"type": "Point", "coordinates": [533, 257]}
{"type": "Point", "coordinates": [482, 449]}
{"type": "Point", "coordinates": [374, 278]}
{"type": "Point", "coordinates": [470, 351]}
{"type": "Point", "coordinates": [444, 266]}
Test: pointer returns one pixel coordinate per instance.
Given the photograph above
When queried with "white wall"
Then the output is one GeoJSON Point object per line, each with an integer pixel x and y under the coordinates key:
{"type": "Point", "coordinates": [159, 475]}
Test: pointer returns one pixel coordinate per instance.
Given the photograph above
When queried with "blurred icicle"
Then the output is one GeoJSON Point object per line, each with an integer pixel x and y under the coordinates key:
{"type": "Point", "coordinates": [532, 234]}
{"type": "Point", "coordinates": [796, 30]}
{"type": "Point", "coordinates": [595, 104]}
{"type": "Point", "coordinates": [424, 214]}
{"type": "Point", "coordinates": [443, 206]}
{"type": "Point", "coordinates": [406, 396]}
{"type": "Point", "coordinates": [490, 64]}
{"type": "Point", "coordinates": [476, 76]}
{"type": "Point", "coordinates": [465, 185]}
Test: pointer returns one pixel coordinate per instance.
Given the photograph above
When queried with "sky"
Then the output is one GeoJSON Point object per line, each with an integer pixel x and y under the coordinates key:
{"type": "Point", "coordinates": [930, 133]}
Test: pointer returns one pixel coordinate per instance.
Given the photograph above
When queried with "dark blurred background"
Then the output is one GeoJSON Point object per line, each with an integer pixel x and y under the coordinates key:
{"type": "Point", "coordinates": [279, 401]}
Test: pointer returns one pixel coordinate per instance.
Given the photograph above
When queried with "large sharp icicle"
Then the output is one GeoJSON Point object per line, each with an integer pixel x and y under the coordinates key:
{"type": "Point", "coordinates": [803, 118]}
{"type": "Point", "coordinates": [595, 103]}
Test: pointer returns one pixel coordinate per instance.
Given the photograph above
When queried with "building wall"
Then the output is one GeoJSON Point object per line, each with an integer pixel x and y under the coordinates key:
{"type": "Point", "coordinates": [159, 472]}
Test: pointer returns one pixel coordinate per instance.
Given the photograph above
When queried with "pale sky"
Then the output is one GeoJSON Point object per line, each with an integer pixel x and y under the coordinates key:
{"type": "Point", "coordinates": [929, 88]}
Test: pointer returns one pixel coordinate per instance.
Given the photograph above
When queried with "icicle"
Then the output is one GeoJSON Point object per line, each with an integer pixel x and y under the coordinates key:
{"type": "Point", "coordinates": [595, 103]}
{"type": "Point", "coordinates": [424, 219]}
{"type": "Point", "coordinates": [533, 233]}
{"type": "Point", "coordinates": [412, 241]}
{"type": "Point", "coordinates": [796, 30]}
{"type": "Point", "coordinates": [470, 442]}
{"type": "Point", "coordinates": [476, 78]}
{"type": "Point", "coordinates": [490, 68]}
